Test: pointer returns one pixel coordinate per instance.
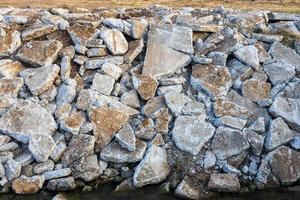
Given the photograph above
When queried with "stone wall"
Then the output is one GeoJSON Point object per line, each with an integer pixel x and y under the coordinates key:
{"type": "Point", "coordinates": [196, 100]}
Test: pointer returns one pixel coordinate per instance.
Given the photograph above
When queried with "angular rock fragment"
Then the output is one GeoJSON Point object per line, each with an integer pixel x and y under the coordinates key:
{"type": "Point", "coordinates": [58, 173]}
{"type": "Point", "coordinates": [278, 134]}
{"type": "Point", "coordinates": [126, 137]}
{"type": "Point", "coordinates": [106, 122]}
{"type": "Point", "coordinates": [73, 122]}
{"type": "Point", "coordinates": [248, 55]}
{"type": "Point", "coordinates": [153, 169]}
{"type": "Point", "coordinates": [224, 182]}
{"type": "Point", "coordinates": [39, 80]}
{"type": "Point", "coordinates": [26, 119]}
{"type": "Point", "coordinates": [66, 92]}
{"type": "Point", "coordinates": [286, 54]}
{"type": "Point", "coordinates": [57, 21]}
{"type": "Point", "coordinates": [58, 151]}
{"type": "Point", "coordinates": [81, 34]}
{"type": "Point", "coordinates": [258, 126]}
{"type": "Point", "coordinates": [145, 85]}
{"type": "Point", "coordinates": [164, 41]}
{"type": "Point", "coordinates": [279, 71]}
{"type": "Point", "coordinates": [115, 41]}
{"type": "Point", "coordinates": [28, 185]}
{"type": "Point", "coordinates": [103, 83]}
{"type": "Point", "coordinates": [36, 31]}
{"type": "Point", "coordinates": [96, 63]}
{"type": "Point", "coordinates": [256, 90]}
{"type": "Point", "coordinates": [214, 80]}
{"type": "Point", "coordinates": [62, 184]}
{"type": "Point", "coordinates": [41, 147]}
{"type": "Point", "coordinates": [288, 109]}
{"type": "Point", "coordinates": [43, 167]}
{"type": "Point", "coordinates": [130, 99]}
{"type": "Point", "coordinates": [134, 49]}
{"type": "Point", "coordinates": [12, 169]}
{"type": "Point", "coordinates": [228, 142]}
{"type": "Point", "coordinates": [227, 108]}
{"type": "Point", "coordinates": [10, 68]}
{"type": "Point", "coordinates": [112, 70]}
{"type": "Point", "coordinates": [186, 190]}
{"type": "Point", "coordinates": [39, 53]}
{"type": "Point", "coordinates": [190, 134]}
{"type": "Point", "coordinates": [86, 168]}
{"type": "Point", "coordinates": [233, 122]}
{"type": "Point", "coordinates": [80, 146]}
{"type": "Point", "coordinates": [10, 87]}
{"type": "Point", "coordinates": [9, 43]}
{"type": "Point", "coordinates": [146, 130]}
{"type": "Point", "coordinates": [255, 140]}
{"type": "Point", "coordinates": [113, 152]}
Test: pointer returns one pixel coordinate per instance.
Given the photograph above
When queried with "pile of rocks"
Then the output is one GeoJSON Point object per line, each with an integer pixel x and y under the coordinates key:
{"type": "Point", "coordinates": [198, 100]}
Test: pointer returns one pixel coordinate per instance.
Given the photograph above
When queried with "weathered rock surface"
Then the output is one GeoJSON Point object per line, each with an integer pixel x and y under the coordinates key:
{"type": "Point", "coordinates": [26, 119]}
{"type": "Point", "coordinates": [28, 185]}
{"type": "Point", "coordinates": [256, 90]}
{"type": "Point", "coordinates": [61, 184]}
{"type": "Point", "coordinates": [154, 168]}
{"type": "Point", "coordinates": [248, 55]}
{"type": "Point", "coordinates": [9, 43]}
{"type": "Point", "coordinates": [224, 182]}
{"type": "Point", "coordinates": [190, 134]}
{"type": "Point", "coordinates": [115, 41]}
{"type": "Point", "coordinates": [41, 146]}
{"type": "Point", "coordinates": [81, 34]}
{"type": "Point", "coordinates": [10, 68]}
{"type": "Point", "coordinates": [39, 53]}
{"type": "Point", "coordinates": [126, 137]}
{"type": "Point", "coordinates": [145, 85]}
{"type": "Point", "coordinates": [10, 87]}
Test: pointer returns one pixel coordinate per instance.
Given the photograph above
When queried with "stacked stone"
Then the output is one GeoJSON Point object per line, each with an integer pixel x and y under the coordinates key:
{"type": "Point", "coordinates": [197, 100]}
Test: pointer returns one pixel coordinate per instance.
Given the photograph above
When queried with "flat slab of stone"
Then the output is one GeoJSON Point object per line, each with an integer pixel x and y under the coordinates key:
{"type": "Point", "coordinates": [115, 41]}
{"type": "Point", "coordinates": [36, 31]}
{"type": "Point", "coordinates": [25, 119]}
{"type": "Point", "coordinates": [165, 43]}
{"type": "Point", "coordinates": [10, 68]}
{"type": "Point", "coordinates": [10, 86]}
{"type": "Point", "coordinates": [256, 90]}
{"type": "Point", "coordinates": [279, 71]}
{"type": "Point", "coordinates": [113, 152]}
{"type": "Point", "coordinates": [248, 55]}
{"type": "Point", "coordinates": [9, 43]}
{"type": "Point", "coordinates": [39, 53]}
{"type": "Point", "coordinates": [106, 122]}
{"type": "Point", "coordinates": [190, 134]}
{"type": "Point", "coordinates": [81, 34]}
{"type": "Point", "coordinates": [153, 169]}
{"type": "Point", "coordinates": [126, 137]}
{"type": "Point", "coordinates": [224, 182]}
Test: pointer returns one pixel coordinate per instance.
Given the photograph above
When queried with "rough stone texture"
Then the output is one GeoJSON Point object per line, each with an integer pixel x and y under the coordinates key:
{"type": "Point", "coordinates": [103, 83]}
{"type": "Point", "coordinates": [169, 46]}
{"type": "Point", "coordinates": [115, 41]}
{"type": "Point", "coordinates": [214, 80]}
{"type": "Point", "coordinates": [248, 55]}
{"type": "Point", "coordinates": [106, 122]}
{"type": "Point", "coordinates": [10, 87]}
{"type": "Point", "coordinates": [145, 85]}
{"type": "Point", "coordinates": [41, 147]}
{"type": "Point", "coordinates": [81, 34]}
{"type": "Point", "coordinates": [57, 173]}
{"type": "Point", "coordinates": [287, 109]}
{"type": "Point", "coordinates": [26, 119]}
{"type": "Point", "coordinates": [62, 184]}
{"type": "Point", "coordinates": [36, 31]}
{"type": "Point", "coordinates": [228, 142]}
{"type": "Point", "coordinates": [154, 168]}
{"type": "Point", "coordinates": [227, 108]}
{"type": "Point", "coordinates": [224, 182]}
{"type": "Point", "coordinates": [256, 90]}
{"type": "Point", "coordinates": [10, 43]}
{"type": "Point", "coordinates": [186, 190]}
{"type": "Point", "coordinates": [190, 134]}
{"type": "Point", "coordinates": [39, 53]}
{"type": "Point", "coordinates": [73, 122]}
{"type": "Point", "coordinates": [41, 79]}
{"type": "Point", "coordinates": [12, 169]}
{"type": "Point", "coordinates": [28, 185]}
{"type": "Point", "coordinates": [113, 152]}
{"type": "Point", "coordinates": [278, 134]}
{"type": "Point", "coordinates": [126, 137]}
{"type": "Point", "coordinates": [10, 68]}
{"type": "Point", "coordinates": [285, 165]}
{"type": "Point", "coordinates": [272, 69]}
{"type": "Point", "coordinates": [80, 146]}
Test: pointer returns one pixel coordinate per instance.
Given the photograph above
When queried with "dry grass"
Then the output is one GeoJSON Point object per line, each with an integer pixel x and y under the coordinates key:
{"type": "Point", "coordinates": [292, 6]}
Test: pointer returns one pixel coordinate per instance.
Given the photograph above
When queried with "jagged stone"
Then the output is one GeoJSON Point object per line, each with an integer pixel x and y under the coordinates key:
{"type": "Point", "coordinates": [12, 169]}
{"type": "Point", "coordinates": [57, 173]}
{"type": "Point", "coordinates": [61, 184]}
{"type": "Point", "coordinates": [228, 142]}
{"type": "Point", "coordinates": [214, 80]}
{"type": "Point", "coordinates": [73, 122]}
{"type": "Point", "coordinates": [146, 129]}
{"type": "Point", "coordinates": [145, 85]}
{"type": "Point", "coordinates": [36, 31]}
{"type": "Point", "coordinates": [81, 34]}
{"type": "Point", "coordinates": [279, 71]}
{"type": "Point", "coordinates": [66, 92]}
{"type": "Point", "coordinates": [10, 68]}
{"type": "Point", "coordinates": [224, 182]}
{"type": "Point", "coordinates": [186, 190]}
{"type": "Point", "coordinates": [58, 151]}
{"type": "Point", "coordinates": [41, 147]}
{"type": "Point", "coordinates": [130, 99]}
{"type": "Point", "coordinates": [255, 140]}
{"type": "Point", "coordinates": [233, 122]}
{"type": "Point", "coordinates": [113, 152]}
{"type": "Point", "coordinates": [103, 83]}
{"type": "Point", "coordinates": [287, 109]}
{"type": "Point", "coordinates": [80, 146]}
{"type": "Point", "coordinates": [96, 63]}
{"type": "Point", "coordinates": [256, 90]}
{"type": "Point", "coordinates": [115, 41]}
{"type": "Point", "coordinates": [41, 168]}
{"type": "Point", "coordinates": [41, 79]}
{"type": "Point", "coordinates": [86, 168]}
{"type": "Point", "coordinates": [112, 70]}
{"type": "Point", "coordinates": [278, 134]}
{"type": "Point", "coordinates": [9, 43]}
{"type": "Point", "coordinates": [153, 169]}
{"type": "Point", "coordinates": [57, 21]}
{"type": "Point", "coordinates": [126, 137]}
{"type": "Point", "coordinates": [248, 55]}
{"type": "Point", "coordinates": [258, 126]}
{"type": "Point", "coordinates": [106, 122]}
{"type": "Point", "coordinates": [26, 119]}
{"type": "Point", "coordinates": [224, 108]}
{"type": "Point", "coordinates": [10, 87]}
{"type": "Point", "coordinates": [28, 185]}
{"type": "Point", "coordinates": [190, 134]}
{"type": "Point", "coordinates": [39, 53]}
{"type": "Point", "coordinates": [134, 49]}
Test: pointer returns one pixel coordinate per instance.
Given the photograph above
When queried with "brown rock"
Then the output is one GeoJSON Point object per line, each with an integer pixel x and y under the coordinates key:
{"type": "Point", "coordinates": [28, 185]}
{"type": "Point", "coordinates": [36, 31]}
{"type": "Point", "coordinates": [134, 49]}
{"type": "Point", "coordinates": [106, 122]}
{"type": "Point", "coordinates": [10, 68]}
{"type": "Point", "coordinates": [213, 79]}
{"type": "Point", "coordinates": [228, 108]}
{"type": "Point", "coordinates": [10, 87]}
{"type": "Point", "coordinates": [39, 53]}
{"type": "Point", "coordinates": [73, 122]}
{"type": "Point", "coordinates": [256, 90]}
{"type": "Point", "coordinates": [81, 34]}
{"type": "Point", "coordinates": [9, 43]}
{"type": "Point", "coordinates": [153, 105]}
{"type": "Point", "coordinates": [145, 85]}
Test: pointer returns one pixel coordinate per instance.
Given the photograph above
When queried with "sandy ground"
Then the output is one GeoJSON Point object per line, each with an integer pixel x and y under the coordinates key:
{"type": "Point", "coordinates": [275, 5]}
